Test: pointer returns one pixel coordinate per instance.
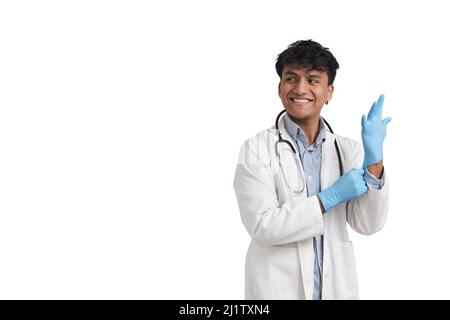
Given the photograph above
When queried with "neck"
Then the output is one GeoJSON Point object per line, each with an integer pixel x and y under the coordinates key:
{"type": "Point", "coordinates": [310, 128]}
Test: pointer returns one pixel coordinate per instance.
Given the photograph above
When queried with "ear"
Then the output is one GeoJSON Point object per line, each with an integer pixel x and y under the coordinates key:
{"type": "Point", "coordinates": [330, 92]}
{"type": "Point", "coordinates": [279, 89]}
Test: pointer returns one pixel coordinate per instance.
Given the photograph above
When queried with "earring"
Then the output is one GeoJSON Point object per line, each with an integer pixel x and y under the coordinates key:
{"type": "Point", "coordinates": [326, 102]}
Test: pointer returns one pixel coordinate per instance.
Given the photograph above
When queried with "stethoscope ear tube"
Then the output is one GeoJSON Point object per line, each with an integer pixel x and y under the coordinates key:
{"type": "Point", "coordinates": [278, 118]}
{"type": "Point", "coordinates": [280, 138]}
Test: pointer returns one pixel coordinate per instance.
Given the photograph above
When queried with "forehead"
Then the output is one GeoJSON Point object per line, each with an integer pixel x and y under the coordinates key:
{"type": "Point", "coordinates": [301, 70]}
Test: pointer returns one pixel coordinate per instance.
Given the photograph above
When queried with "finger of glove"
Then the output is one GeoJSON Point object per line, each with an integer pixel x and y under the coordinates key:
{"type": "Point", "coordinates": [363, 120]}
{"type": "Point", "coordinates": [387, 120]}
{"type": "Point", "coordinates": [364, 189]}
{"type": "Point", "coordinates": [380, 105]}
{"type": "Point", "coordinates": [372, 110]}
{"type": "Point", "coordinates": [362, 184]}
{"type": "Point", "coordinates": [377, 108]}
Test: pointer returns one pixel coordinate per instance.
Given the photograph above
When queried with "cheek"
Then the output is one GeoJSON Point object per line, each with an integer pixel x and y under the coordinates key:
{"type": "Point", "coordinates": [322, 94]}
{"type": "Point", "coordinates": [282, 93]}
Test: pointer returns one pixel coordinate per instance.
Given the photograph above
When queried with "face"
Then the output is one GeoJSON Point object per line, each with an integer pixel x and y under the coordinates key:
{"type": "Point", "coordinates": [303, 92]}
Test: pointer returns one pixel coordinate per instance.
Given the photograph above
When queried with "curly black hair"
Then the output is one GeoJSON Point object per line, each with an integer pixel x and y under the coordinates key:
{"type": "Point", "coordinates": [308, 54]}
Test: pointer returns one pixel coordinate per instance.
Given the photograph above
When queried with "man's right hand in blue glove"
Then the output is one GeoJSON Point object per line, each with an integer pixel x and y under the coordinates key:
{"type": "Point", "coordinates": [351, 185]}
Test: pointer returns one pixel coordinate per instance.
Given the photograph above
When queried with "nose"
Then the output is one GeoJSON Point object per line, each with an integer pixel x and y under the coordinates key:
{"type": "Point", "coordinates": [302, 86]}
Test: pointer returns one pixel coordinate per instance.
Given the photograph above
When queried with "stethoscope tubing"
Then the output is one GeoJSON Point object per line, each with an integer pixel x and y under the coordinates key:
{"type": "Point", "coordinates": [280, 139]}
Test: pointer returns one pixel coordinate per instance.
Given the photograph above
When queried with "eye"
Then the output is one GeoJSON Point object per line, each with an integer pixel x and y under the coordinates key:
{"type": "Point", "coordinates": [290, 79]}
{"type": "Point", "coordinates": [313, 81]}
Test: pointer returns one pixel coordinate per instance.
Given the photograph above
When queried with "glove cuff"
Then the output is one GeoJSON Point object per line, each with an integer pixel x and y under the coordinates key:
{"type": "Point", "coordinates": [369, 162]}
{"type": "Point", "coordinates": [327, 199]}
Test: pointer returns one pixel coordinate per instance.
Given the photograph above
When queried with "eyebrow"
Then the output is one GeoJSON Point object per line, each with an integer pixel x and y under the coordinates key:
{"type": "Point", "coordinates": [311, 73]}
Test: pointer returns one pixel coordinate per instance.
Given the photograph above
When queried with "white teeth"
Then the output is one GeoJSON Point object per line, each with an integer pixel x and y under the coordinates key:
{"type": "Point", "coordinates": [300, 100]}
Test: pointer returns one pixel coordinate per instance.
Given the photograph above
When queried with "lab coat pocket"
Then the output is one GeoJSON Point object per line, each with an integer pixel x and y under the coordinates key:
{"type": "Point", "coordinates": [346, 270]}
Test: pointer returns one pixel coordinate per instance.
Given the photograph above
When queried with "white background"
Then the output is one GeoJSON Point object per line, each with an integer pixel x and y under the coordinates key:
{"type": "Point", "coordinates": [121, 121]}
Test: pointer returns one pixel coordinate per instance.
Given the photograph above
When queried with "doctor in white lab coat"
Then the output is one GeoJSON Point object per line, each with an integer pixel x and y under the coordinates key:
{"type": "Point", "coordinates": [284, 221]}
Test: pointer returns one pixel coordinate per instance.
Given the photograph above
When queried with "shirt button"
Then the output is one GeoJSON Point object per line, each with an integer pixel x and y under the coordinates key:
{"type": "Point", "coordinates": [309, 177]}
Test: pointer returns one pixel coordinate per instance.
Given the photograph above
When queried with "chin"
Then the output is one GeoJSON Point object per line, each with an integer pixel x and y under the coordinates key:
{"type": "Point", "coordinates": [299, 114]}
{"type": "Point", "coordinates": [302, 116]}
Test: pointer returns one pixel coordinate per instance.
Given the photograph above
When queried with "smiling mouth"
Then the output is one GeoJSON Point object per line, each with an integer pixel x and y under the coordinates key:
{"type": "Point", "coordinates": [301, 101]}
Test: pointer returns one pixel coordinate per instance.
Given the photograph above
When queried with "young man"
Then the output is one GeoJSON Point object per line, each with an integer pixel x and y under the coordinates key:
{"type": "Point", "coordinates": [298, 185]}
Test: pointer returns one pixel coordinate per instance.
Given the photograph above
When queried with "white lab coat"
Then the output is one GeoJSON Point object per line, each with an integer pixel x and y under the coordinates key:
{"type": "Point", "coordinates": [282, 224]}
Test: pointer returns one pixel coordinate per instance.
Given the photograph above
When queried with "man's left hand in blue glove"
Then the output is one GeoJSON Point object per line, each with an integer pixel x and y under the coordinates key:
{"type": "Point", "coordinates": [373, 134]}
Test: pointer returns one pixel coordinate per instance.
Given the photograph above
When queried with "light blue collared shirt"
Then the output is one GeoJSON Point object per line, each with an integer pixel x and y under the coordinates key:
{"type": "Point", "coordinates": [311, 159]}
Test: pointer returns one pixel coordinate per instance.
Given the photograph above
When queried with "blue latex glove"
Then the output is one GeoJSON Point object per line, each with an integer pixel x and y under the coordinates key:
{"type": "Point", "coordinates": [351, 185]}
{"type": "Point", "coordinates": [373, 133]}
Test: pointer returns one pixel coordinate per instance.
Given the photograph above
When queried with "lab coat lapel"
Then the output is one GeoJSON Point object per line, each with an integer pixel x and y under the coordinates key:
{"type": "Point", "coordinates": [329, 172]}
{"type": "Point", "coordinates": [305, 247]}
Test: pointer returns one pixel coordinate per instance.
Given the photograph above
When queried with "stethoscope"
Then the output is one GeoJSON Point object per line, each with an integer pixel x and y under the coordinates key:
{"type": "Point", "coordinates": [301, 185]}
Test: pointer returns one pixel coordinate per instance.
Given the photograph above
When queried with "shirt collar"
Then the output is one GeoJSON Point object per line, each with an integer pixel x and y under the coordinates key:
{"type": "Point", "coordinates": [297, 133]}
